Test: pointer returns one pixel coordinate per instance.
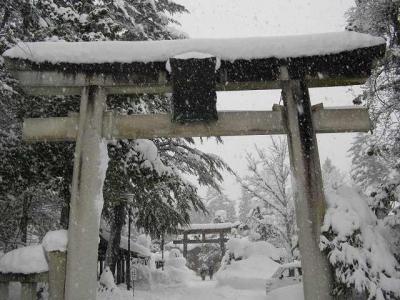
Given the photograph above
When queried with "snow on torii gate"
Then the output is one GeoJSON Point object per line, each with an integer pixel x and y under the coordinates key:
{"type": "Point", "coordinates": [97, 69]}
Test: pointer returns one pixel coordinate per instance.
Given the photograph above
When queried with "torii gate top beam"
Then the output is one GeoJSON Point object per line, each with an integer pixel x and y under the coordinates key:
{"type": "Point", "coordinates": [208, 228]}
{"type": "Point", "coordinates": [331, 59]}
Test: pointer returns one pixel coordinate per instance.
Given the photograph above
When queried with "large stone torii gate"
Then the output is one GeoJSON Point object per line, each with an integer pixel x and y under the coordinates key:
{"type": "Point", "coordinates": [218, 228]}
{"type": "Point", "coordinates": [97, 69]}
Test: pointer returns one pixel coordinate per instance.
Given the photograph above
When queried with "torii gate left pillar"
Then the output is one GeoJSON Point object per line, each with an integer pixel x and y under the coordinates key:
{"type": "Point", "coordinates": [86, 197]}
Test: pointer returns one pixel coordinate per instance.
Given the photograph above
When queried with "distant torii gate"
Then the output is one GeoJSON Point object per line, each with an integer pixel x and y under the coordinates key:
{"type": "Point", "coordinates": [221, 229]}
{"type": "Point", "coordinates": [97, 69]}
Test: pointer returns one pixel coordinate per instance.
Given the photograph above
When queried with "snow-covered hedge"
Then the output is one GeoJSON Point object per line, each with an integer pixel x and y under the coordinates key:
{"type": "Point", "coordinates": [175, 272]}
{"type": "Point", "coordinates": [358, 251]}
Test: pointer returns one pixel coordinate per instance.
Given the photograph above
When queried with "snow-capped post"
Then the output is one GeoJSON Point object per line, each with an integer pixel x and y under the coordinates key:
{"type": "Point", "coordinates": [307, 185]}
{"type": "Point", "coordinates": [57, 261]}
{"type": "Point", "coordinates": [55, 246]}
{"type": "Point", "coordinates": [185, 245]}
{"type": "Point", "coordinates": [128, 258]}
{"type": "Point", "coordinates": [222, 243]}
{"type": "Point", "coordinates": [86, 197]}
{"type": "Point", "coordinates": [4, 290]}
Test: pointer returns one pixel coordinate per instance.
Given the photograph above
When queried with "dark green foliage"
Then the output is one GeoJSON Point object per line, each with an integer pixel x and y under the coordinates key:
{"type": "Point", "coordinates": [215, 200]}
{"type": "Point", "coordinates": [33, 171]}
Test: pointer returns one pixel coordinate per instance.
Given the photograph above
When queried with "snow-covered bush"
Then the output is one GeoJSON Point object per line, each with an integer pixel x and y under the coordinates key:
{"type": "Point", "coordinates": [174, 253]}
{"type": "Point", "coordinates": [242, 248]}
{"type": "Point", "coordinates": [107, 280]}
{"type": "Point", "coordinates": [256, 264]}
{"type": "Point", "coordinates": [358, 251]}
{"type": "Point", "coordinates": [107, 289]}
{"type": "Point", "coordinates": [220, 216]}
{"type": "Point", "coordinates": [144, 240]}
{"type": "Point", "coordinates": [174, 271]}
{"type": "Point", "coordinates": [175, 267]}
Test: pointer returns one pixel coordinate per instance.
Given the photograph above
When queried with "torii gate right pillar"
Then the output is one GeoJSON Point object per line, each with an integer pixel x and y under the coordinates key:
{"type": "Point", "coordinates": [308, 189]}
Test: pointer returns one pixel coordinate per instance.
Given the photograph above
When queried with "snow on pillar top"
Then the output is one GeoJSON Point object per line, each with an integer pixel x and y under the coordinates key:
{"type": "Point", "coordinates": [55, 241]}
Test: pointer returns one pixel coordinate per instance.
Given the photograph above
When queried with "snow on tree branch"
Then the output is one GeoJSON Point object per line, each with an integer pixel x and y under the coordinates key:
{"type": "Point", "coordinates": [357, 249]}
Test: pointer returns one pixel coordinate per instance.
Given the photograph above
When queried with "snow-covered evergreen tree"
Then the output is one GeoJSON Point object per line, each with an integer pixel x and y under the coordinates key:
{"type": "Point", "coordinates": [376, 157]}
{"type": "Point", "coordinates": [332, 177]}
{"type": "Point", "coordinates": [244, 205]}
{"type": "Point", "coordinates": [50, 164]}
{"type": "Point", "coordinates": [358, 248]}
{"type": "Point", "coordinates": [215, 201]}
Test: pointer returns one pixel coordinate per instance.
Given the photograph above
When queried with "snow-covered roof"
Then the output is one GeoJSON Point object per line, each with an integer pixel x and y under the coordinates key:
{"type": "Point", "coordinates": [161, 51]}
{"type": "Point", "coordinates": [135, 247]}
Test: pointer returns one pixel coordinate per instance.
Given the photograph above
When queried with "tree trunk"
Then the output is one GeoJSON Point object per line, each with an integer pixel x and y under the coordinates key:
{"type": "Point", "coordinates": [64, 218]}
{"type": "Point", "coordinates": [25, 219]}
{"type": "Point", "coordinates": [6, 16]}
{"type": "Point", "coordinates": [112, 253]}
{"type": "Point", "coordinates": [394, 17]}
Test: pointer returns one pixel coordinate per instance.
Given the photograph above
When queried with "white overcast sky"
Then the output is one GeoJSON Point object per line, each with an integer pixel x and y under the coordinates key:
{"type": "Point", "coordinates": [245, 18]}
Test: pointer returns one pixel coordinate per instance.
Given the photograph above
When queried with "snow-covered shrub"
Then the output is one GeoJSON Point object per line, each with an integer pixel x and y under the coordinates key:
{"type": "Point", "coordinates": [144, 276]}
{"type": "Point", "coordinates": [107, 289]}
{"type": "Point", "coordinates": [220, 216]}
{"type": "Point", "coordinates": [107, 280]}
{"type": "Point", "coordinates": [242, 248]}
{"type": "Point", "coordinates": [144, 240]}
{"type": "Point", "coordinates": [175, 267]}
{"type": "Point", "coordinates": [173, 253]}
{"type": "Point", "coordinates": [255, 264]}
{"type": "Point", "coordinates": [356, 248]}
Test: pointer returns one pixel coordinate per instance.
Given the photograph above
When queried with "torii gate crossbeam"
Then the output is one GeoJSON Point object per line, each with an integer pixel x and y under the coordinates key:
{"type": "Point", "coordinates": [292, 64]}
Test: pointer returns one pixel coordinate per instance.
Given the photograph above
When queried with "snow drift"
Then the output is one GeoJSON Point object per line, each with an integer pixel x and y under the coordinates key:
{"type": "Point", "coordinates": [292, 292]}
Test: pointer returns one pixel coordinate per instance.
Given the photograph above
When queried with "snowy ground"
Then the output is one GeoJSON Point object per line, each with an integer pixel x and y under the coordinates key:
{"type": "Point", "coordinates": [209, 290]}
{"type": "Point", "coordinates": [197, 290]}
